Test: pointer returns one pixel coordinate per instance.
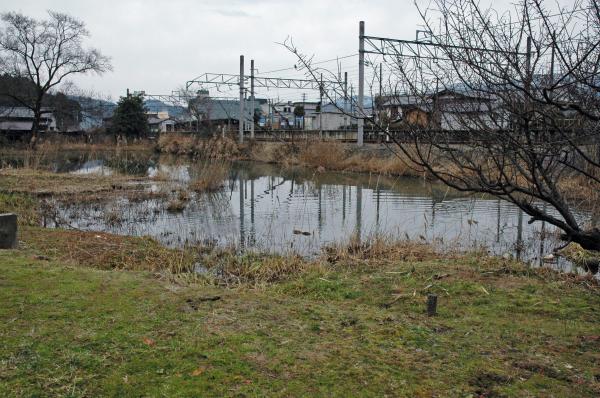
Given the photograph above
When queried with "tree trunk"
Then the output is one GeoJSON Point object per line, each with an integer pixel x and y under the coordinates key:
{"type": "Point", "coordinates": [35, 125]}
{"type": "Point", "coordinates": [589, 240]}
{"type": "Point", "coordinates": [35, 128]}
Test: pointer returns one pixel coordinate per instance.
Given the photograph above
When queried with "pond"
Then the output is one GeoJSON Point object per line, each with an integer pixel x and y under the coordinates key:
{"type": "Point", "coordinates": [270, 208]}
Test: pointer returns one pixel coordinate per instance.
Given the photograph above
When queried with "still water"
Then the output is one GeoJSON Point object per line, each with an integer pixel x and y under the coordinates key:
{"type": "Point", "coordinates": [270, 208]}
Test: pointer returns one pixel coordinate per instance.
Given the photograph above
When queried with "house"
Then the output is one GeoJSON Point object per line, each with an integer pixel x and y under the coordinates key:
{"type": "Point", "coordinates": [454, 110]}
{"type": "Point", "coordinates": [283, 116]}
{"type": "Point", "coordinates": [225, 112]}
{"type": "Point", "coordinates": [18, 119]}
{"type": "Point", "coordinates": [446, 110]}
{"type": "Point", "coordinates": [332, 118]}
{"type": "Point", "coordinates": [400, 110]}
{"type": "Point", "coordinates": [339, 116]}
{"type": "Point", "coordinates": [160, 122]}
{"type": "Point", "coordinates": [306, 121]}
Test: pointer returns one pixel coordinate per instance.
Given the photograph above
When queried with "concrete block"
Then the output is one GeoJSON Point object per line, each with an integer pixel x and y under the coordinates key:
{"type": "Point", "coordinates": [8, 231]}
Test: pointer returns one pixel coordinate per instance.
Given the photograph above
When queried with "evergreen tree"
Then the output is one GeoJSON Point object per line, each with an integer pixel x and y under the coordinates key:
{"type": "Point", "coordinates": [130, 118]}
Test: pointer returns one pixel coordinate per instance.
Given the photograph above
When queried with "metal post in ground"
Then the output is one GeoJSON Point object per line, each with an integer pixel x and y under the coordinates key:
{"type": "Point", "coordinates": [361, 83]}
{"type": "Point", "coordinates": [241, 118]}
{"type": "Point", "coordinates": [242, 183]}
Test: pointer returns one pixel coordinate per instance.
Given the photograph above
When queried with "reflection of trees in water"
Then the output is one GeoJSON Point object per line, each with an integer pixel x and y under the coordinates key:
{"type": "Point", "coordinates": [216, 204]}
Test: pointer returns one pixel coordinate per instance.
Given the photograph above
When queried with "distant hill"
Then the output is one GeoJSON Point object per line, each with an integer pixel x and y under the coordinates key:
{"type": "Point", "coordinates": [94, 111]}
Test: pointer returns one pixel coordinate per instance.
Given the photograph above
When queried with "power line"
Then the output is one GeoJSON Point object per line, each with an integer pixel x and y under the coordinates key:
{"type": "Point", "coordinates": [313, 63]}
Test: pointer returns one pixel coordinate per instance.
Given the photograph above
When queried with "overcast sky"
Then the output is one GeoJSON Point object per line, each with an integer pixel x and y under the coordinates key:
{"type": "Point", "coordinates": [157, 46]}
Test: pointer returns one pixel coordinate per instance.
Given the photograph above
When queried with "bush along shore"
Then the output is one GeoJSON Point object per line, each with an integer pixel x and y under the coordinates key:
{"type": "Point", "coordinates": [328, 155]}
{"type": "Point", "coordinates": [93, 314]}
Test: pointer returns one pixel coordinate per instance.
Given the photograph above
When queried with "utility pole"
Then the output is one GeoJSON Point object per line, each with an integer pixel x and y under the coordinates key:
{"type": "Point", "coordinates": [345, 101]}
{"type": "Point", "coordinates": [361, 83]}
{"type": "Point", "coordinates": [352, 103]}
{"type": "Point", "coordinates": [380, 104]}
{"type": "Point", "coordinates": [270, 114]}
{"type": "Point", "coordinates": [241, 118]}
{"type": "Point", "coordinates": [252, 99]}
{"type": "Point", "coordinates": [304, 110]}
{"type": "Point", "coordinates": [321, 109]}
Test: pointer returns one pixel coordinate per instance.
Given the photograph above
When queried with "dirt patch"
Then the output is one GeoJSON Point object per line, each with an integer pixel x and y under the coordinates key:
{"type": "Point", "coordinates": [485, 384]}
{"type": "Point", "coordinates": [542, 369]}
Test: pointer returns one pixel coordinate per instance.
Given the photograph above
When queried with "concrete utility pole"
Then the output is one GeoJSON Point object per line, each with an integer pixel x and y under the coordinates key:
{"type": "Point", "coordinates": [241, 118]}
{"type": "Point", "coordinates": [361, 83]}
{"type": "Point", "coordinates": [352, 110]}
{"type": "Point", "coordinates": [252, 99]}
{"type": "Point", "coordinates": [321, 109]}
{"type": "Point", "coordinates": [380, 104]}
{"type": "Point", "coordinates": [345, 100]}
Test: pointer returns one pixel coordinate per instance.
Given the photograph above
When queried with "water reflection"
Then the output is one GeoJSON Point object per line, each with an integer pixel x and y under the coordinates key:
{"type": "Point", "coordinates": [269, 208]}
{"type": "Point", "coordinates": [265, 205]}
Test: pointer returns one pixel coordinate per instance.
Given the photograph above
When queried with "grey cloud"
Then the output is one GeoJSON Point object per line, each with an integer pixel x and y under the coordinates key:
{"type": "Point", "coordinates": [233, 13]}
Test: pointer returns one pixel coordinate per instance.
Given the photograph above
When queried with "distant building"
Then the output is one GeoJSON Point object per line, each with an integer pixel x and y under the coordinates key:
{"type": "Point", "coordinates": [282, 116]}
{"type": "Point", "coordinates": [307, 121]}
{"type": "Point", "coordinates": [160, 122]}
{"type": "Point", "coordinates": [447, 110]}
{"type": "Point", "coordinates": [336, 117]}
{"type": "Point", "coordinates": [20, 120]}
{"type": "Point", "coordinates": [225, 113]}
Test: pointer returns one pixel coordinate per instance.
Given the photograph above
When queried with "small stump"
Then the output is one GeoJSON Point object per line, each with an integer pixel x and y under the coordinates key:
{"type": "Point", "coordinates": [8, 231]}
{"type": "Point", "coordinates": [431, 304]}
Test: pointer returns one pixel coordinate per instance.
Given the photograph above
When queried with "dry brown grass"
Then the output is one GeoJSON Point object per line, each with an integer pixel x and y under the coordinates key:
{"type": "Point", "coordinates": [189, 144]}
{"type": "Point", "coordinates": [39, 182]}
{"type": "Point", "coordinates": [177, 144]}
{"type": "Point", "coordinates": [329, 155]}
{"type": "Point", "coordinates": [581, 190]}
{"type": "Point", "coordinates": [271, 152]}
{"type": "Point", "coordinates": [176, 206]}
{"type": "Point", "coordinates": [56, 144]}
{"type": "Point", "coordinates": [334, 156]}
{"type": "Point", "coordinates": [379, 249]}
{"type": "Point", "coordinates": [232, 269]}
{"type": "Point", "coordinates": [106, 251]}
{"type": "Point", "coordinates": [211, 177]}
{"type": "Point", "coordinates": [391, 165]}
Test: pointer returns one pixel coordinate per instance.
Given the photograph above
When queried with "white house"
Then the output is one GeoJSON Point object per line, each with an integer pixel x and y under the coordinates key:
{"type": "Point", "coordinates": [334, 117]}
{"type": "Point", "coordinates": [160, 122]}
{"type": "Point", "coordinates": [20, 119]}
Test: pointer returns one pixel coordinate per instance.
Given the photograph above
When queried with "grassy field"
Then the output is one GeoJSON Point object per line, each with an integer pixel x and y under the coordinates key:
{"type": "Point", "coordinates": [354, 326]}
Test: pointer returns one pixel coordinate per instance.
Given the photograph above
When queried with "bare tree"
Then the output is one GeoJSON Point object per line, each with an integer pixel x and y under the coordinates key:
{"type": "Point", "coordinates": [199, 106]}
{"type": "Point", "coordinates": [506, 104]}
{"type": "Point", "coordinates": [44, 53]}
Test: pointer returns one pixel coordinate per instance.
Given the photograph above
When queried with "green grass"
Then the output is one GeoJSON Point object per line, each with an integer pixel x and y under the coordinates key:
{"type": "Point", "coordinates": [76, 331]}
